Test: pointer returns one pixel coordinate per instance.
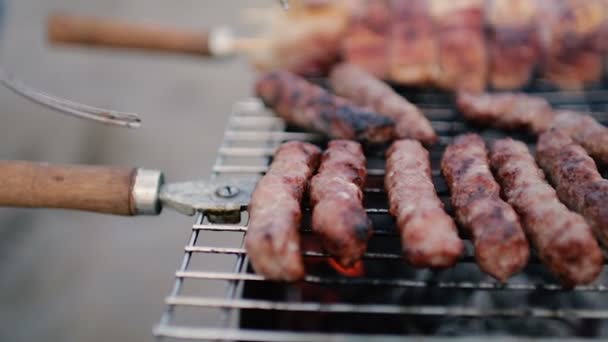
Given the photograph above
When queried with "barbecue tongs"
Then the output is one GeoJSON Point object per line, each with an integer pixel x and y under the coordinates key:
{"type": "Point", "coordinates": [91, 31]}
{"type": "Point", "coordinates": [109, 117]}
{"type": "Point", "coordinates": [117, 191]}
{"type": "Point", "coordinates": [78, 30]}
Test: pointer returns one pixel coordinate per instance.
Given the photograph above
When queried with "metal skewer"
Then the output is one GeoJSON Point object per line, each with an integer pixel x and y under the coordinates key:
{"type": "Point", "coordinates": [105, 116]}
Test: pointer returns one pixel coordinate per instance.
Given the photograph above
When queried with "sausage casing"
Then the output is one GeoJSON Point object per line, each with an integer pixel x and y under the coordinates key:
{"type": "Point", "coordinates": [272, 241]}
{"type": "Point", "coordinates": [501, 248]}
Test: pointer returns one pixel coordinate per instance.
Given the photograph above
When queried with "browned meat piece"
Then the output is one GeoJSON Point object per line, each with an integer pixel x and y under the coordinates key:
{"type": "Point", "coordinates": [304, 40]}
{"type": "Point", "coordinates": [429, 237]}
{"type": "Point", "coordinates": [309, 106]}
{"type": "Point", "coordinates": [501, 248]}
{"type": "Point", "coordinates": [413, 50]}
{"type": "Point", "coordinates": [578, 183]}
{"type": "Point", "coordinates": [338, 214]}
{"type": "Point", "coordinates": [518, 110]}
{"type": "Point", "coordinates": [602, 37]}
{"type": "Point", "coordinates": [507, 110]}
{"type": "Point", "coordinates": [462, 47]}
{"type": "Point", "coordinates": [273, 241]}
{"type": "Point", "coordinates": [571, 48]}
{"type": "Point", "coordinates": [564, 241]}
{"type": "Point", "coordinates": [357, 85]}
{"type": "Point", "coordinates": [455, 44]}
{"type": "Point", "coordinates": [513, 42]}
{"type": "Point", "coordinates": [367, 40]}
{"type": "Point", "coordinates": [586, 131]}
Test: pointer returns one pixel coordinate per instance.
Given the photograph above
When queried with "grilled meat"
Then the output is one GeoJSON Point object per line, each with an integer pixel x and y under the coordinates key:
{"type": "Point", "coordinates": [355, 84]}
{"type": "Point", "coordinates": [273, 241]}
{"type": "Point", "coordinates": [571, 32]}
{"type": "Point", "coordinates": [338, 214]}
{"type": "Point", "coordinates": [563, 239]}
{"type": "Point", "coordinates": [313, 29]}
{"type": "Point", "coordinates": [501, 248]}
{"type": "Point", "coordinates": [576, 178]}
{"type": "Point", "coordinates": [507, 110]}
{"type": "Point", "coordinates": [462, 51]}
{"type": "Point", "coordinates": [518, 110]}
{"type": "Point", "coordinates": [429, 237]}
{"type": "Point", "coordinates": [513, 42]}
{"type": "Point", "coordinates": [367, 39]}
{"type": "Point", "coordinates": [309, 106]}
{"type": "Point", "coordinates": [413, 56]}
{"type": "Point", "coordinates": [442, 42]}
{"type": "Point", "coordinates": [586, 131]}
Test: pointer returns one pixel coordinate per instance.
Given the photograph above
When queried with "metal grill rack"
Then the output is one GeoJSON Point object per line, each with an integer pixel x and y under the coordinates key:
{"type": "Point", "coordinates": [217, 296]}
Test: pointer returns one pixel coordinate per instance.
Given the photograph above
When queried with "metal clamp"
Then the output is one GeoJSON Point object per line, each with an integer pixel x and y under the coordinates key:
{"type": "Point", "coordinates": [221, 201]}
{"type": "Point", "coordinates": [145, 192]}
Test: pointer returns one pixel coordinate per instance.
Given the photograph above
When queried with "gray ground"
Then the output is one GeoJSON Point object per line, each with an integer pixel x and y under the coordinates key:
{"type": "Point", "coordinates": [70, 276]}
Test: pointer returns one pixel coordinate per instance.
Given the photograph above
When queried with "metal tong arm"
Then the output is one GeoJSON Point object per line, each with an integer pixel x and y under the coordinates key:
{"type": "Point", "coordinates": [105, 116]}
{"type": "Point", "coordinates": [117, 191]}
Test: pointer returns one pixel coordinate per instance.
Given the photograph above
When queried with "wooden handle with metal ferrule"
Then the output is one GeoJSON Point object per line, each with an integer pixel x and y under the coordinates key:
{"type": "Point", "coordinates": [74, 29]}
{"type": "Point", "coordinates": [108, 190]}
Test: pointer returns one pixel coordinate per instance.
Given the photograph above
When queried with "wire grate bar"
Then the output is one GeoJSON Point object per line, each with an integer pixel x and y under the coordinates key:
{"type": "Point", "coordinates": [262, 169]}
{"type": "Point", "coordinates": [211, 334]}
{"type": "Point", "coordinates": [385, 309]}
{"type": "Point", "coordinates": [246, 152]}
{"type": "Point", "coordinates": [243, 229]}
{"type": "Point", "coordinates": [241, 251]}
{"type": "Point", "coordinates": [263, 136]}
{"type": "Point", "coordinates": [177, 285]}
{"type": "Point", "coordinates": [256, 121]}
{"type": "Point", "coordinates": [394, 282]}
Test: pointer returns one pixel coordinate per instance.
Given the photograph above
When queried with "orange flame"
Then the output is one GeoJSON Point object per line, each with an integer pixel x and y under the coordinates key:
{"type": "Point", "coordinates": [358, 270]}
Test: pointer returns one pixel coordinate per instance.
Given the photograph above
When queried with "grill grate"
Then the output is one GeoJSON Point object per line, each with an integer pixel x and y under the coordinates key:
{"type": "Point", "coordinates": [250, 308]}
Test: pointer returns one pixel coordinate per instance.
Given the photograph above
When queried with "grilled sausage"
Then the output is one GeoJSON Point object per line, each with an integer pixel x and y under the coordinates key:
{"type": "Point", "coordinates": [571, 34]}
{"type": "Point", "coordinates": [413, 53]}
{"type": "Point", "coordinates": [355, 84]}
{"type": "Point", "coordinates": [367, 39]}
{"type": "Point", "coordinates": [338, 214]}
{"type": "Point", "coordinates": [273, 241]}
{"type": "Point", "coordinates": [533, 113]}
{"type": "Point", "coordinates": [576, 178]}
{"type": "Point", "coordinates": [461, 41]}
{"type": "Point", "coordinates": [309, 106]}
{"type": "Point", "coordinates": [429, 237]}
{"type": "Point", "coordinates": [564, 241]}
{"type": "Point", "coordinates": [513, 42]}
{"type": "Point", "coordinates": [455, 44]}
{"type": "Point", "coordinates": [501, 248]}
{"type": "Point", "coordinates": [507, 110]}
{"type": "Point", "coordinates": [586, 131]}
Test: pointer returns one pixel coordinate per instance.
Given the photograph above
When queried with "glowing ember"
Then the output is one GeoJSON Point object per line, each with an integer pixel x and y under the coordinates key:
{"type": "Point", "coordinates": [356, 271]}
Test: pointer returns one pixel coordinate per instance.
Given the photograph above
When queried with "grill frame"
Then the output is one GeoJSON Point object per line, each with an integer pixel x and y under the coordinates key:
{"type": "Point", "coordinates": [251, 124]}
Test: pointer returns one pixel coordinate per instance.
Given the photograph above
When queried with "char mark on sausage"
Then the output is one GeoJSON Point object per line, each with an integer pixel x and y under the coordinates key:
{"type": "Point", "coordinates": [355, 84]}
{"type": "Point", "coordinates": [311, 107]}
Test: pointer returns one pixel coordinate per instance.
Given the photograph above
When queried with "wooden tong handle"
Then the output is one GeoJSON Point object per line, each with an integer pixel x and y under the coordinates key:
{"type": "Point", "coordinates": [75, 29]}
{"type": "Point", "coordinates": [101, 189]}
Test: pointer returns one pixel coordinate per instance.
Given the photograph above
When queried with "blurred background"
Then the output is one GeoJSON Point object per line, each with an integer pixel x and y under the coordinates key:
{"type": "Point", "coordinates": [70, 276]}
